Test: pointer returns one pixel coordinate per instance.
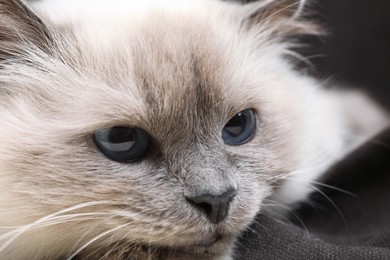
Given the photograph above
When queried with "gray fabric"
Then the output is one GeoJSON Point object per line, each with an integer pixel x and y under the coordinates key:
{"type": "Point", "coordinates": [270, 239]}
{"type": "Point", "coordinates": [353, 225]}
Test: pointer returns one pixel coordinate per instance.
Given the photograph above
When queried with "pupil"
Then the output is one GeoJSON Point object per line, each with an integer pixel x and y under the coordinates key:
{"type": "Point", "coordinates": [121, 135]}
{"type": "Point", "coordinates": [236, 124]}
{"type": "Point", "coordinates": [119, 139]}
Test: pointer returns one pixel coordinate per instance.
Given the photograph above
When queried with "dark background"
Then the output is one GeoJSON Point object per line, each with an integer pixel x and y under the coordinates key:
{"type": "Point", "coordinates": [357, 50]}
{"type": "Point", "coordinates": [355, 54]}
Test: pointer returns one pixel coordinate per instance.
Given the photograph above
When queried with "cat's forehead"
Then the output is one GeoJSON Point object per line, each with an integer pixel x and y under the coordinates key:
{"type": "Point", "coordinates": [180, 71]}
{"type": "Point", "coordinates": [183, 70]}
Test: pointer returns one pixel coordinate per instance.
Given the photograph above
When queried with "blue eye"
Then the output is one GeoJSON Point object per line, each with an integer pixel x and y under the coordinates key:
{"type": "Point", "coordinates": [240, 128]}
{"type": "Point", "coordinates": [122, 144]}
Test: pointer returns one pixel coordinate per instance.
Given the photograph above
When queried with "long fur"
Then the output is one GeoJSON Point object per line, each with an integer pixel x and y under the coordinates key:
{"type": "Point", "coordinates": [179, 69]}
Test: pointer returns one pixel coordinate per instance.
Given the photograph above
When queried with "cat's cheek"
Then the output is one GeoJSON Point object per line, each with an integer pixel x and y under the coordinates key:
{"type": "Point", "coordinates": [191, 232]}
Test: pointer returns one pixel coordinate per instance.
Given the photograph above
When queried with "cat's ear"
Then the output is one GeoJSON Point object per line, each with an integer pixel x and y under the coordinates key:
{"type": "Point", "coordinates": [21, 29]}
{"type": "Point", "coordinates": [283, 18]}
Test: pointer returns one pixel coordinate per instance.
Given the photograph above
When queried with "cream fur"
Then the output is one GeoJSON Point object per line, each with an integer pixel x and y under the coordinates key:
{"type": "Point", "coordinates": [179, 69]}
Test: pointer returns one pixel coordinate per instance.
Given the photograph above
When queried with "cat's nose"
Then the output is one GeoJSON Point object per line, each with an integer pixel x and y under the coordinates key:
{"type": "Point", "coordinates": [215, 207]}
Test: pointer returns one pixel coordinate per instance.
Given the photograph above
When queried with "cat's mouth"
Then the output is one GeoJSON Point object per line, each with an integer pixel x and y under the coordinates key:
{"type": "Point", "coordinates": [208, 241]}
{"type": "Point", "coordinates": [214, 244]}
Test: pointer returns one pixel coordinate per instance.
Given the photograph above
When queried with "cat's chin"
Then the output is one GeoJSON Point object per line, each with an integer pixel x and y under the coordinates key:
{"type": "Point", "coordinates": [208, 241]}
{"type": "Point", "coordinates": [216, 244]}
{"type": "Point", "coordinates": [216, 247]}
{"type": "Point", "coordinates": [211, 246]}
{"type": "Point", "coordinates": [215, 250]}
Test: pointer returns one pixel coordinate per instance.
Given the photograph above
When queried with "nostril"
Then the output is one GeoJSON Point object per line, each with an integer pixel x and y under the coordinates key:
{"type": "Point", "coordinates": [215, 207]}
{"type": "Point", "coordinates": [207, 208]}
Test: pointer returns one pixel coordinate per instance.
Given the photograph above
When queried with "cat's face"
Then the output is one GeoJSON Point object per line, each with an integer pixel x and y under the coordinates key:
{"type": "Point", "coordinates": [180, 77]}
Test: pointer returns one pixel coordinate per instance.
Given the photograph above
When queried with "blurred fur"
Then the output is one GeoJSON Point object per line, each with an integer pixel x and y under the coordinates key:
{"type": "Point", "coordinates": [178, 69]}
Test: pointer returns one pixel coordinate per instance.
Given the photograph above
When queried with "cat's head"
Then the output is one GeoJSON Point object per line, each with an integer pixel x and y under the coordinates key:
{"type": "Point", "coordinates": [158, 125]}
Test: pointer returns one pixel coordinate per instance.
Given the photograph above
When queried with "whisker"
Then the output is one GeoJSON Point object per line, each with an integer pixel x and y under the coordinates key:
{"type": "Point", "coordinates": [380, 143]}
{"type": "Point", "coordinates": [281, 10]}
{"type": "Point", "coordinates": [291, 211]}
{"type": "Point", "coordinates": [90, 229]}
{"type": "Point", "coordinates": [153, 251]}
{"type": "Point", "coordinates": [325, 185]}
{"type": "Point", "coordinates": [299, 10]}
{"type": "Point", "coordinates": [281, 216]}
{"type": "Point", "coordinates": [299, 57]}
{"type": "Point", "coordinates": [46, 224]}
{"type": "Point", "coordinates": [264, 20]}
{"type": "Point", "coordinates": [94, 240]}
{"type": "Point", "coordinates": [333, 204]}
{"type": "Point", "coordinates": [53, 221]}
{"type": "Point", "coordinates": [237, 243]}
{"type": "Point", "coordinates": [321, 161]}
{"type": "Point", "coordinates": [261, 225]}
{"type": "Point", "coordinates": [20, 230]}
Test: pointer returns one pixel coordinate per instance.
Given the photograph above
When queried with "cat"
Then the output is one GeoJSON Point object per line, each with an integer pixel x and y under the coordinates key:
{"type": "Point", "coordinates": [158, 129]}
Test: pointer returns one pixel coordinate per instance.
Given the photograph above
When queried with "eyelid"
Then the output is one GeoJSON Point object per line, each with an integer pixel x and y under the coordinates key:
{"type": "Point", "coordinates": [234, 111]}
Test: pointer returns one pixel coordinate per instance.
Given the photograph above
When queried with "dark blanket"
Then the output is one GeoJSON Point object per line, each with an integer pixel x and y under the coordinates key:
{"type": "Point", "coordinates": [350, 222]}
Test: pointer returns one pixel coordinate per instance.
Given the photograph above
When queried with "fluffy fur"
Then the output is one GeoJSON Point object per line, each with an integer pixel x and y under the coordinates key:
{"type": "Point", "coordinates": [179, 69]}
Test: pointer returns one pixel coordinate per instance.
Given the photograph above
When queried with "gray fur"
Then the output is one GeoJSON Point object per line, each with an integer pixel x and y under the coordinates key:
{"type": "Point", "coordinates": [180, 77]}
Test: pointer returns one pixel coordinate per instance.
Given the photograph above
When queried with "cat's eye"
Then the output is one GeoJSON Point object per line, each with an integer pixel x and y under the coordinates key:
{"type": "Point", "coordinates": [122, 144]}
{"type": "Point", "coordinates": [240, 128]}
